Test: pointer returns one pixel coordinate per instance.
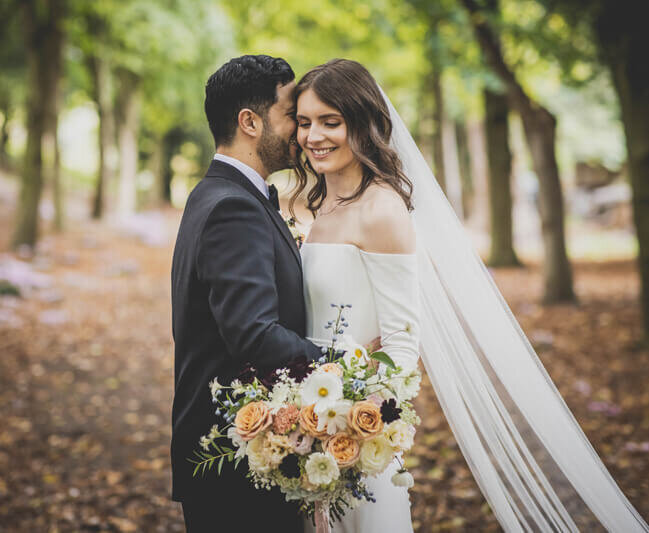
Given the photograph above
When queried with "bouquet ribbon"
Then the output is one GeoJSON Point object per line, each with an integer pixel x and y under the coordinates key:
{"type": "Point", "coordinates": [321, 518]}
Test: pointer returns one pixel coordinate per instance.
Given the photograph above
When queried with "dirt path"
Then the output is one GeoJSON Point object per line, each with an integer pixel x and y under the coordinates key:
{"type": "Point", "coordinates": [86, 381]}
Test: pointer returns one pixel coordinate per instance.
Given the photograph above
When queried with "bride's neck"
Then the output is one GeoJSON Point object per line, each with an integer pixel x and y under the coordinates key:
{"type": "Point", "coordinates": [343, 184]}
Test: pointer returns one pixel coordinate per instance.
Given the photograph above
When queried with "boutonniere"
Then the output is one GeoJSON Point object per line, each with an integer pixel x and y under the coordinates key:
{"type": "Point", "coordinates": [295, 232]}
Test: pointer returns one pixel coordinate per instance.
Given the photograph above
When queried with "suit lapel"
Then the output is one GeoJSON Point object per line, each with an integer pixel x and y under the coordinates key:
{"type": "Point", "coordinates": [223, 170]}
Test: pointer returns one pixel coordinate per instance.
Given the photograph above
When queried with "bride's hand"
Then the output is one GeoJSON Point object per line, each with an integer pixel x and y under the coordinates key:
{"type": "Point", "coordinates": [373, 345]}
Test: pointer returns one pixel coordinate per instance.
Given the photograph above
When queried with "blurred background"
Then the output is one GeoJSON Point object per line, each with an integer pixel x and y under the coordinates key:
{"type": "Point", "coordinates": [534, 115]}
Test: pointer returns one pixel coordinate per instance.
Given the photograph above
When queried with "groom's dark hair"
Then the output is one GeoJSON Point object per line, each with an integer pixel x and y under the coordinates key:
{"type": "Point", "coordinates": [248, 81]}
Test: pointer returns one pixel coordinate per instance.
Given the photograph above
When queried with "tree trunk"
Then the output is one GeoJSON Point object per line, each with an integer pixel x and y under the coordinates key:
{"type": "Point", "coordinates": [43, 35]}
{"type": "Point", "coordinates": [540, 132]}
{"type": "Point", "coordinates": [129, 111]}
{"type": "Point", "coordinates": [102, 95]}
{"type": "Point", "coordinates": [438, 127]}
{"type": "Point", "coordinates": [500, 194]}
{"type": "Point", "coordinates": [464, 158]}
{"type": "Point", "coordinates": [171, 144]}
{"type": "Point", "coordinates": [479, 173]}
{"type": "Point", "coordinates": [624, 41]}
{"type": "Point", "coordinates": [452, 175]}
{"type": "Point", "coordinates": [5, 109]}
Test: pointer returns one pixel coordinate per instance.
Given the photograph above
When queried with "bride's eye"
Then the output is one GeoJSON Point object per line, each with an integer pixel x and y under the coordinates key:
{"type": "Point", "coordinates": [332, 124]}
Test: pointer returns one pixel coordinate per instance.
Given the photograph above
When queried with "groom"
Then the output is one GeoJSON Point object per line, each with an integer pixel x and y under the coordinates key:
{"type": "Point", "coordinates": [237, 293]}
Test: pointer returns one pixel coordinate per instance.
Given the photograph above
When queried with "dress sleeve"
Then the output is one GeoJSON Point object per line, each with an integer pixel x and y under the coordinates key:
{"type": "Point", "coordinates": [396, 294]}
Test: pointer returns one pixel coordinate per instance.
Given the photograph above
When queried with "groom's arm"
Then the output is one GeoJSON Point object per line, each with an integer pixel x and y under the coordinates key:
{"type": "Point", "coordinates": [236, 258]}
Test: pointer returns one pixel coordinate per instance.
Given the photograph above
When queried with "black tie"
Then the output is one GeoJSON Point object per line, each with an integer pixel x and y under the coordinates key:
{"type": "Point", "coordinates": [272, 196]}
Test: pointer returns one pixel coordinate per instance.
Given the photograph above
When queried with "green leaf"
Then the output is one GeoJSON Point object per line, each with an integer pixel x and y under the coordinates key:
{"type": "Point", "coordinates": [384, 358]}
{"type": "Point", "coordinates": [218, 468]}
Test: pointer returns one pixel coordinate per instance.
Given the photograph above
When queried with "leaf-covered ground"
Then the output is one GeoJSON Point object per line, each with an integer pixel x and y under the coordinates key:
{"type": "Point", "coordinates": [86, 383]}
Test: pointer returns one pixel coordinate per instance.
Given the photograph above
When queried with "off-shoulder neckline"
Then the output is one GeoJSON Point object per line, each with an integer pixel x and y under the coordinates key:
{"type": "Point", "coordinates": [354, 247]}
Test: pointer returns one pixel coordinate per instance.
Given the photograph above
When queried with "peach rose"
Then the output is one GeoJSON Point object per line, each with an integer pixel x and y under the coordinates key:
{"type": "Point", "coordinates": [332, 368]}
{"type": "Point", "coordinates": [309, 422]}
{"type": "Point", "coordinates": [345, 449]}
{"type": "Point", "coordinates": [364, 420]}
{"type": "Point", "coordinates": [252, 419]}
{"type": "Point", "coordinates": [285, 418]}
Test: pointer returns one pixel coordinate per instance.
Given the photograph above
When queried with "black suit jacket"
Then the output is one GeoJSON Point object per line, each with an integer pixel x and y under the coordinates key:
{"type": "Point", "coordinates": [237, 298]}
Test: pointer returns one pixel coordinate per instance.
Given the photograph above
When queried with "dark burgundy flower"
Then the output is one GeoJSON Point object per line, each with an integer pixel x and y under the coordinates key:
{"type": "Point", "coordinates": [269, 379]}
{"type": "Point", "coordinates": [248, 374]}
{"type": "Point", "coordinates": [299, 368]}
{"type": "Point", "coordinates": [389, 411]}
{"type": "Point", "coordinates": [290, 467]}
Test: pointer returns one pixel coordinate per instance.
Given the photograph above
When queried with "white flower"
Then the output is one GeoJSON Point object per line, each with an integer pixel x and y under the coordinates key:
{"type": "Point", "coordinates": [321, 388]}
{"type": "Point", "coordinates": [400, 435]}
{"type": "Point", "coordinates": [333, 415]}
{"type": "Point", "coordinates": [403, 478]}
{"type": "Point", "coordinates": [237, 387]}
{"type": "Point", "coordinates": [321, 468]}
{"type": "Point", "coordinates": [354, 353]}
{"type": "Point", "coordinates": [257, 459]}
{"type": "Point", "coordinates": [238, 442]}
{"type": "Point", "coordinates": [215, 386]}
{"type": "Point", "coordinates": [376, 455]}
{"type": "Point", "coordinates": [280, 395]}
{"type": "Point", "coordinates": [406, 384]}
{"type": "Point", "coordinates": [205, 443]}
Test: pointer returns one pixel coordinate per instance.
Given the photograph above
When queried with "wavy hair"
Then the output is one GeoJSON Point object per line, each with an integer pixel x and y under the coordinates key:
{"type": "Point", "coordinates": [349, 88]}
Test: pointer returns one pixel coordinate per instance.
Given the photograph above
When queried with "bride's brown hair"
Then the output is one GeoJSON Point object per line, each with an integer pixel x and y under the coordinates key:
{"type": "Point", "coordinates": [348, 87]}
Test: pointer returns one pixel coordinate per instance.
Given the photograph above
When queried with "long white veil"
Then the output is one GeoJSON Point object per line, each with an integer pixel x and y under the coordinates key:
{"type": "Point", "coordinates": [533, 463]}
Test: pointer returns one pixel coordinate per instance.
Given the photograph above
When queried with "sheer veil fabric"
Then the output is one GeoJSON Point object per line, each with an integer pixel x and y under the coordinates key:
{"type": "Point", "coordinates": [532, 461]}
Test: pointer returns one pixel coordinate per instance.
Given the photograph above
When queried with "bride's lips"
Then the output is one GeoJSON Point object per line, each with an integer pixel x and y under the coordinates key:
{"type": "Point", "coordinates": [321, 153]}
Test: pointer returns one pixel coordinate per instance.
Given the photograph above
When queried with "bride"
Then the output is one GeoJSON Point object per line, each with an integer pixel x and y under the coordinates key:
{"type": "Point", "coordinates": [385, 240]}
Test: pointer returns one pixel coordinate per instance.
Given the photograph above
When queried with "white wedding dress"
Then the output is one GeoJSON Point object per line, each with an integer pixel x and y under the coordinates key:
{"type": "Point", "coordinates": [383, 292]}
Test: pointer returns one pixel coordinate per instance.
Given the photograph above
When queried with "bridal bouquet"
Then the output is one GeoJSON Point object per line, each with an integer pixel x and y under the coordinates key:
{"type": "Point", "coordinates": [317, 430]}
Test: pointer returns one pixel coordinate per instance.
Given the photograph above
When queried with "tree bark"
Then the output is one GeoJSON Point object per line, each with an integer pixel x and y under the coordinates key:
{"type": "Point", "coordinates": [102, 94]}
{"type": "Point", "coordinates": [500, 166]}
{"type": "Point", "coordinates": [5, 109]}
{"type": "Point", "coordinates": [624, 41]}
{"type": "Point", "coordinates": [452, 175]}
{"type": "Point", "coordinates": [129, 112]}
{"type": "Point", "coordinates": [438, 126]}
{"type": "Point", "coordinates": [42, 32]}
{"type": "Point", "coordinates": [540, 132]}
{"type": "Point", "coordinates": [464, 158]}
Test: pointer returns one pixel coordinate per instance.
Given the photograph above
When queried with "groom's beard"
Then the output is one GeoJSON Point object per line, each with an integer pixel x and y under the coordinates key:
{"type": "Point", "coordinates": [274, 152]}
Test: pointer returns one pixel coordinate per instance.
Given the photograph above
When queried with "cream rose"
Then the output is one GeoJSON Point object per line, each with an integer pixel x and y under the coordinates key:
{"type": "Point", "coordinates": [343, 448]}
{"type": "Point", "coordinates": [257, 459]}
{"type": "Point", "coordinates": [364, 420]}
{"type": "Point", "coordinates": [375, 455]}
{"type": "Point", "coordinates": [251, 419]}
{"type": "Point", "coordinates": [309, 422]}
{"type": "Point", "coordinates": [400, 435]}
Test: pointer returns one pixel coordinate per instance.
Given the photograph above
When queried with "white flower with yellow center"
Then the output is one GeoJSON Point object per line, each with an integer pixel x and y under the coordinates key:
{"type": "Point", "coordinates": [333, 416]}
{"type": "Point", "coordinates": [321, 468]}
{"type": "Point", "coordinates": [321, 388]}
{"type": "Point", "coordinates": [355, 353]}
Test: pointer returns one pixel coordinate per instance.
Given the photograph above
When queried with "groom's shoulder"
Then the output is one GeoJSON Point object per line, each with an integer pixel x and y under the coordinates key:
{"type": "Point", "coordinates": [214, 190]}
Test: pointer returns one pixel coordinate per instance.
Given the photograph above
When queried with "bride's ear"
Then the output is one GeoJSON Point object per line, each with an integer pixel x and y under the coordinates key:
{"type": "Point", "coordinates": [250, 122]}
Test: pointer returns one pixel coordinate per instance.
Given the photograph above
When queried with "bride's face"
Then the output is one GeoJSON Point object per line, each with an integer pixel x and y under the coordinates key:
{"type": "Point", "coordinates": [322, 134]}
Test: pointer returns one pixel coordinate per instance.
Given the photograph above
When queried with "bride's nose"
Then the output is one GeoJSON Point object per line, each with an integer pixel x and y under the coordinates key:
{"type": "Point", "coordinates": [315, 135]}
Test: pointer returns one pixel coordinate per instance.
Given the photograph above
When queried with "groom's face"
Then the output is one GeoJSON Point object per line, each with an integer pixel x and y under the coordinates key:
{"type": "Point", "coordinates": [274, 148]}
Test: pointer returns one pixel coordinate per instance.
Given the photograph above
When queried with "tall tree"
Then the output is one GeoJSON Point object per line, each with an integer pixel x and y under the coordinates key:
{"type": "Point", "coordinates": [43, 34]}
{"type": "Point", "coordinates": [540, 132]}
{"type": "Point", "coordinates": [500, 166]}
{"type": "Point", "coordinates": [619, 30]}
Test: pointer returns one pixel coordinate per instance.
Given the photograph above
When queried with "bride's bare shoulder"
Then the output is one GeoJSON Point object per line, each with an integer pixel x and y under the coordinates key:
{"type": "Point", "coordinates": [384, 224]}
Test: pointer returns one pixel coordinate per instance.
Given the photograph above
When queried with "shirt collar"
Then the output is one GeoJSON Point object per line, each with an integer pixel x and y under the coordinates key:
{"type": "Point", "coordinates": [247, 171]}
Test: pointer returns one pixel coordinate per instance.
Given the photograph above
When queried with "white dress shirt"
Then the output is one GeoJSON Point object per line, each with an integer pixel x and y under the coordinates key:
{"type": "Point", "coordinates": [247, 171]}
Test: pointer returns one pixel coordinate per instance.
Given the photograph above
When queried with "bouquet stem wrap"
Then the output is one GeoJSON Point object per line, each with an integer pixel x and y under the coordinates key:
{"type": "Point", "coordinates": [321, 518]}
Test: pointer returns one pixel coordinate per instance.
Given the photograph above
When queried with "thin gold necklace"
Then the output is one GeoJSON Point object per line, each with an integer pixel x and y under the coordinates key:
{"type": "Point", "coordinates": [321, 214]}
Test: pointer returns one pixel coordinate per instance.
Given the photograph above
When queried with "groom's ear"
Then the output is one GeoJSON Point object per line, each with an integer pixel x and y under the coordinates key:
{"type": "Point", "coordinates": [250, 122]}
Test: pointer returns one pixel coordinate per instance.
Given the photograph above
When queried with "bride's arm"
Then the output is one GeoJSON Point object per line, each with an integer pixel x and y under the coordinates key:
{"type": "Point", "coordinates": [388, 245]}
